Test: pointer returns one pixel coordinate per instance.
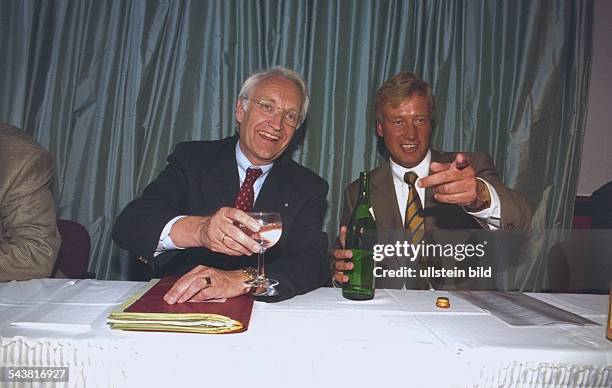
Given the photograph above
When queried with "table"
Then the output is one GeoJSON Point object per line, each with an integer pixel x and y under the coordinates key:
{"type": "Point", "coordinates": [317, 339]}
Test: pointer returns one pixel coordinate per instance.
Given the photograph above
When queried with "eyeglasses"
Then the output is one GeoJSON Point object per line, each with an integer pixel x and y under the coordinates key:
{"type": "Point", "coordinates": [291, 117]}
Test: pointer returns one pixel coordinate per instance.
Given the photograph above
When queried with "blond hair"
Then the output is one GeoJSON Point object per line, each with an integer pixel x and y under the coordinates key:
{"type": "Point", "coordinates": [400, 87]}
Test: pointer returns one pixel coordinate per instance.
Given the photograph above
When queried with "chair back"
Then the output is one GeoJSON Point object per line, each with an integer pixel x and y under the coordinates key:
{"type": "Point", "coordinates": [73, 257]}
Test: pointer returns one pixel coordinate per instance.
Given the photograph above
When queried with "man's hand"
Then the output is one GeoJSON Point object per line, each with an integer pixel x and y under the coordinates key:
{"type": "Point", "coordinates": [219, 232]}
{"type": "Point", "coordinates": [202, 283]}
{"type": "Point", "coordinates": [342, 258]}
{"type": "Point", "coordinates": [456, 183]}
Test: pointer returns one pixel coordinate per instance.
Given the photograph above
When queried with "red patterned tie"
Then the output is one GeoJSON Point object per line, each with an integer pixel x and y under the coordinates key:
{"type": "Point", "coordinates": [246, 195]}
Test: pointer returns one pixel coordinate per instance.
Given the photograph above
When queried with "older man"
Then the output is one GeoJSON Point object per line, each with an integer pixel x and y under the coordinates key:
{"type": "Point", "coordinates": [29, 239]}
{"type": "Point", "coordinates": [189, 218]}
{"type": "Point", "coordinates": [422, 190]}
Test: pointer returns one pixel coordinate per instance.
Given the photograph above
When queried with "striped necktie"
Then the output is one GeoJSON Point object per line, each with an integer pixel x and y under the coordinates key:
{"type": "Point", "coordinates": [413, 222]}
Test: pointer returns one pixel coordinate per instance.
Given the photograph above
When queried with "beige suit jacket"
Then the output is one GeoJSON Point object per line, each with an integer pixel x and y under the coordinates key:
{"type": "Point", "coordinates": [439, 217]}
{"type": "Point", "coordinates": [29, 239]}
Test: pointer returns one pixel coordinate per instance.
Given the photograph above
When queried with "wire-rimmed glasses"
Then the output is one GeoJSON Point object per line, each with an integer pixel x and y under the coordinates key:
{"type": "Point", "coordinates": [291, 117]}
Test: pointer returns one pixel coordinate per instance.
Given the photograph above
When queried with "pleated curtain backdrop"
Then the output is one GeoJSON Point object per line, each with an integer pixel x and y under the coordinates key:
{"type": "Point", "coordinates": [109, 87]}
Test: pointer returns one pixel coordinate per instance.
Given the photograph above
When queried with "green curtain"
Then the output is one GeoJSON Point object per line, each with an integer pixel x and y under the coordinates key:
{"type": "Point", "coordinates": [109, 87]}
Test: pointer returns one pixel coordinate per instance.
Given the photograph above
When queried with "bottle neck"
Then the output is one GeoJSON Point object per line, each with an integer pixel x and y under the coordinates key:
{"type": "Point", "coordinates": [363, 186]}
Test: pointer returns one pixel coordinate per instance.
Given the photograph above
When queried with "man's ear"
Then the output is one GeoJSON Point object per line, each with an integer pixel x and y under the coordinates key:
{"type": "Point", "coordinates": [379, 128]}
{"type": "Point", "coordinates": [239, 110]}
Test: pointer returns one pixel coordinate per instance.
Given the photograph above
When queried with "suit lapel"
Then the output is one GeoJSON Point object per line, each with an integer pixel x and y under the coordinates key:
{"type": "Point", "coordinates": [384, 199]}
{"type": "Point", "coordinates": [386, 211]}
{"type": "Point", "coordinates": [221, 181]}
{"type": "Point", "coordinates": [276, 191]}
{"type": "Point", "coordinates": [277, 195]}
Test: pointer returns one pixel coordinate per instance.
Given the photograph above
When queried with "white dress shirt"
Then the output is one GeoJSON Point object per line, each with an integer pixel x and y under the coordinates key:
{"type": "Point", "coordinates": [165, 242]}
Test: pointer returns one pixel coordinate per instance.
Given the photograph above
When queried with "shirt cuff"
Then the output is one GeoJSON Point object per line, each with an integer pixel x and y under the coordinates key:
{"type": "Point", "coordinates": [491, 215]}
{"type": "Point", "coordinates": [165, 242]}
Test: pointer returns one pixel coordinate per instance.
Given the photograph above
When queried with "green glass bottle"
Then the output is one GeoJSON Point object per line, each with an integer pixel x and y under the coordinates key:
{"type": "Point", "coordinates": [360, 238]}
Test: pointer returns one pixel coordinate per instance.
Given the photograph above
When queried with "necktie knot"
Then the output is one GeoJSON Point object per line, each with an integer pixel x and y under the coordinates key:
{"type": "Point", "coordinates": [252, 173]}
{"type": "Point", "coordinates": [410, 177]}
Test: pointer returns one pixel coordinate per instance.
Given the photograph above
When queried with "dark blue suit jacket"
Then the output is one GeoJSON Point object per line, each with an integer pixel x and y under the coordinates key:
{"type": "Point", "coordinates": [200, 178]}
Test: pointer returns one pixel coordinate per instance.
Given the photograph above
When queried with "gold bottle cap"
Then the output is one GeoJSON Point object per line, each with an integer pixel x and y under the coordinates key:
{"type": "Point", "coordinates": [443, 302]}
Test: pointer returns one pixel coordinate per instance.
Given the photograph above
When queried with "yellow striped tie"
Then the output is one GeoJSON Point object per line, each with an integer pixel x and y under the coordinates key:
{"type": "Point", "coordinates": [413, 222]}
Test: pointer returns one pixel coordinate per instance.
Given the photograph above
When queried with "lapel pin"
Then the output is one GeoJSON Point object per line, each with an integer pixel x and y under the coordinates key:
{"type": "Point", "coordinates": [286, 204]}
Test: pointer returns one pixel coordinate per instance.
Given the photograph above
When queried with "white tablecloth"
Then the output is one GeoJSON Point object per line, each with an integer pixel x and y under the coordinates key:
{"type": "Point", "coordinates": [320, 339]}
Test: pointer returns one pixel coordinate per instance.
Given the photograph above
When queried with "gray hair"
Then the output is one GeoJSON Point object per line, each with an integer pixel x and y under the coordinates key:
{"type": "Point", "coordinates": [250, 84]}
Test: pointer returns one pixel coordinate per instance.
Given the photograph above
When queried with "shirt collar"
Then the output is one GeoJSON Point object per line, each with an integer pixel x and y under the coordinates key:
{"type": "Point", "coordinates": [421, 169]}
{"type": "Point", "coordinates": [244, 162]}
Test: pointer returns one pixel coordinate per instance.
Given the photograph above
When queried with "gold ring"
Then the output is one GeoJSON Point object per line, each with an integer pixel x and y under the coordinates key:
{"type": "Point", "coordinates": [207, 281]}
{"type": "Point", "coordinates": [223, 238]}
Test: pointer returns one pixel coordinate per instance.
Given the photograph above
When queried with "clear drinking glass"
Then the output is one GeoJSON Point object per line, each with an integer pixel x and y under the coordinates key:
{"type": "Point", "coordinates": [271, 228]}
